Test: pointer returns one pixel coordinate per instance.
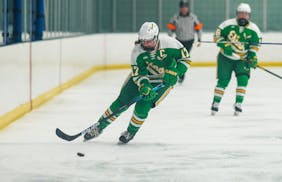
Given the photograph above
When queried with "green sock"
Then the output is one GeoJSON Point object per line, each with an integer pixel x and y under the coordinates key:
{"type": "Point", "coordinates": [242, 82]}
{"type": "Point", "coordinates": [113, 108]}
{"type": "Point", "coordinates": [135, 124]}
{"type": "Point", "coordinates": [219, 89]}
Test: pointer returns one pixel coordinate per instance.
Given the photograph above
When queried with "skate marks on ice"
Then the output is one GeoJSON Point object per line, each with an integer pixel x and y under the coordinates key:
{"type": "Point", "coordinates": [178, 142]}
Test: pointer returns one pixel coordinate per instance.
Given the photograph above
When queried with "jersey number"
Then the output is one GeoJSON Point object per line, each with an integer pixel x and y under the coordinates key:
{"type": "Point", "coordinates": [135, 71]}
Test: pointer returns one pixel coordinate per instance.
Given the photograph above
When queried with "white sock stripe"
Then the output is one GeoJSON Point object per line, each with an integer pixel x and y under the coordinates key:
{"type": "Point", "coordinates": [240, 94]}
{"type": "Point", "coordinates": [109, 120]}
{"type": "Point", "coordinates": [218, 95]}
{"type": "Point", "coordinates": [218, 88]}
{"type": "Point", "coordinates": [136, 125]}
{"type": "Point", "coordinates": [110, 111]}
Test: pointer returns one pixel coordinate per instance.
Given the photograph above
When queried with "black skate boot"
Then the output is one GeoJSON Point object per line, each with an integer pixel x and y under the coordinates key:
{"type": "Point", "coordinates": [181, 79]}
{"type": "Point", "coordinates": [214, 108]}
{"type": "Point", "coordinates": [92, 132]}
{"type": "Point", "coordinates": [126, 137]}
{"type": "Point", "coordinates": [238, 109]}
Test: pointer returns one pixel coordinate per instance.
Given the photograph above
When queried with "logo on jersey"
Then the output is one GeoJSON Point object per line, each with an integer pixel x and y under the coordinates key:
{"type": "Point", "coordinates": [246, 68]}
{"type": "Point", "coordinates": [235, 40]}
{"type": "Point", "coordinates": [155, 68]}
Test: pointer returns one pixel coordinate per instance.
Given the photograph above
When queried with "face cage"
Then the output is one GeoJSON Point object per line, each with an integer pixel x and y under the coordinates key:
{"type": "Point", "coordinates": [155, 39]}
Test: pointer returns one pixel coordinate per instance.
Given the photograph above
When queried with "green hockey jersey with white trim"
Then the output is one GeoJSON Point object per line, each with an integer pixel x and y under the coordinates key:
{"type": "Point", "coordinates": [242, 39]}
{"type": "Point", "coordinates": [169, 54]}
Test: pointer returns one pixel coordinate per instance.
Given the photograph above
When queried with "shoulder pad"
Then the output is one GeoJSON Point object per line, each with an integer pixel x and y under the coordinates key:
{"type": "Point", "coordinates": [227, 23]}
{"type": "Point", "coordinates": [169, 42]}
{"type": "Point", "coordinates": [137, 50]}
{"type": "Point", "coordinates": [255, 28]}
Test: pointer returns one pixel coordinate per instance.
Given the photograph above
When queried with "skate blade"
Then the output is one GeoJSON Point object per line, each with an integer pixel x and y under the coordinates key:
{"type": "Point", "coordinates": [213, 113]}
{"type": "Point", "coordinates": [236, 113]}
{"type": "Point", "coordinates": [121, 143]}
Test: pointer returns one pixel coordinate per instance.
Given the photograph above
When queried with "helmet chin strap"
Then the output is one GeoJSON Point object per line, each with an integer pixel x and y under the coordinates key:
{"type": "Point", "coordinates": [149, 49]}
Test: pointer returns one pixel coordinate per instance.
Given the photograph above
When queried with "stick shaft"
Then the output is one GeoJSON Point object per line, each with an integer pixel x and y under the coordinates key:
{"type": "Point", "coordinates": [270, 72]}
{"type": "Point", "coordinates": [136, 99]}
{"type": "Point", "coordinates": [263, 43]}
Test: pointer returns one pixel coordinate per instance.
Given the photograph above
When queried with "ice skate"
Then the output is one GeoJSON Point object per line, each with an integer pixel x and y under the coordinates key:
{"type": "Point", "coordinates": [93, 132]}
{"type": "Point", "coordinates": [126, 137]}
{"type": "Point", "coordinates": [237, 108]}
{"type": "Point", "coordinates": [214, 108]}
{"type": "Point", "coordinates": [181, 79]}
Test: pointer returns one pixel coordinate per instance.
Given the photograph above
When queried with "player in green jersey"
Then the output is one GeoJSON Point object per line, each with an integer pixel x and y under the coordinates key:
{"type": "Point", "coordinates": [153, 61]}
{"type": "Point", "coordinates": [238, 40]}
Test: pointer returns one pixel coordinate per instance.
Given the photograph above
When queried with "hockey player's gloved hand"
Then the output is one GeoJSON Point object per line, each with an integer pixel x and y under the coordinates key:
{"type": "Point", "coordinates": [182, 67]}
{"type": "Point", "coordinates": [252, 63]}
{"type": "Point", "coordinates": [252, 60]}
{"type": "Point", "coordinates": [145, 89]}
{"type": "Point", "coordinates": [170, 76]}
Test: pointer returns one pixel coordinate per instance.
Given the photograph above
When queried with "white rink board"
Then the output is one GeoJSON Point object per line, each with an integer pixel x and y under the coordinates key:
{"type": "Point", "coordinates": [119, 48]}
{"type": "Point", "coordinates": [57, 61]}
{"type": "Point", "coordinates": [179, 141]}
{"type": "Point", "coordinates": [14, 76]}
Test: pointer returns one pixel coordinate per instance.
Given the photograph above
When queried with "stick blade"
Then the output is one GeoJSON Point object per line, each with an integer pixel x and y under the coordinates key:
{"type": "Point", "coordinates": [65, 136]}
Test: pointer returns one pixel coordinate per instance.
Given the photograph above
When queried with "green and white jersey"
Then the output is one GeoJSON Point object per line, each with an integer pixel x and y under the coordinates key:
{"type": "Point", "coordinates": [152, 65]}
{"type": "Point", "coordinates": [243, 39]}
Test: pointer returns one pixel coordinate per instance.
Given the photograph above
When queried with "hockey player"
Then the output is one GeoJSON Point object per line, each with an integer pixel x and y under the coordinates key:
{"type": "Point", "coordinates": [238, 40]}
{"type": "Point", "coordinates": [185, 24]}
{"type": "Point", "coordinates": [153, 61]}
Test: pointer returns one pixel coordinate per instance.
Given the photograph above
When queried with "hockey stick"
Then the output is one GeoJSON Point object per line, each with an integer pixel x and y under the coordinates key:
{"type": "Point", "coordinates": [270, 72]}
{"type": "Point", "coordinates": [263, 43]}
{"type": "Point", "coordinates": [67, 137]}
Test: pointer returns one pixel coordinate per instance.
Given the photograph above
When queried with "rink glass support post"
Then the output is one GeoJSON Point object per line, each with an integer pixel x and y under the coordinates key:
{"type": "Point", "coordinates": [160, 13]}
{"type": "Point", "coordinates": [227, 9]}
{"type": "Point", "coordinates": [191, 5]}
{"type": "Point", "coordinates": [133, 15]}
{"type": "Point", "coordinates": [31, 38]}
{"type": "Point", "coordinates": [264, 15]}
{"type": "Point", "coordinates": [114, 15]}
{"type": "Point", "coordinates": [39, 20]}
{"type": "Point", "coordinates": [32, 18]}
{"type": "Point", "coordinates": [5, 33]}
{"type": "Point", "coordinates": [17, 23]}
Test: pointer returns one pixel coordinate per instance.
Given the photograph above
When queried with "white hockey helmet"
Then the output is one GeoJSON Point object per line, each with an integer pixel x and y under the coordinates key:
{"type": "Point", "coordinates": [244, 7]}
{"type": "Point", "coordinates": [148, 31]}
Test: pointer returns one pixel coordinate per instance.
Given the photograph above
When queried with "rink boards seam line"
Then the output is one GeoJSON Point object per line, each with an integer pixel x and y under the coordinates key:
{"type": "Point", "coordinates": [38, 101]}
{"type": "Point", "coordinates": [23, 109]}
{"type": "Point", "coordinates": [212, 64]}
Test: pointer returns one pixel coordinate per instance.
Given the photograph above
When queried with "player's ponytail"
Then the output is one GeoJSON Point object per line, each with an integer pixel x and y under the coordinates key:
{"type": "Point", "coordinates": [137, 42]}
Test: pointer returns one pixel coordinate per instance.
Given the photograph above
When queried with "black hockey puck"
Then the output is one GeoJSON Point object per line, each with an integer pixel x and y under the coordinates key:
{"type": "Point", "coordinates": [80, 154]}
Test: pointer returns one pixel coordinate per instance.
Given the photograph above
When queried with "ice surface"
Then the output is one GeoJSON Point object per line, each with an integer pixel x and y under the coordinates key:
{"type": "Point", "coordinates": [180, 141]}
